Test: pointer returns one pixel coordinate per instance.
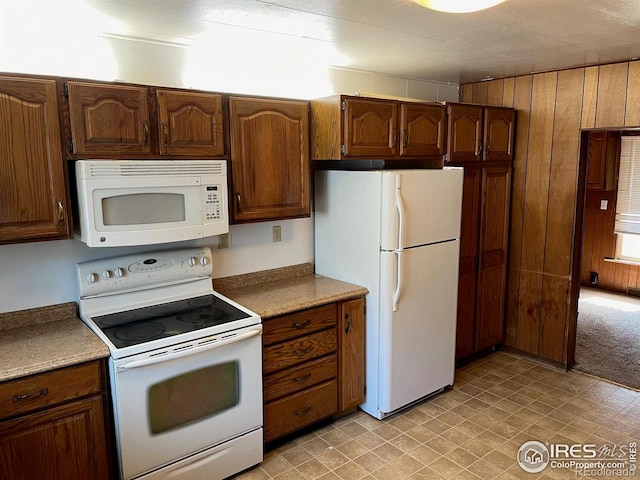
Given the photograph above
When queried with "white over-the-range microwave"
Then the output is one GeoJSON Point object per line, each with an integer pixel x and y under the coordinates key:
{"type": "Point", "coordinates": [143, 202]}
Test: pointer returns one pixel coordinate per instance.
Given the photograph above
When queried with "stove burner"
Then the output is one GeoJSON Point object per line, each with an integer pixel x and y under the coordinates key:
{"type": "Point", "coordinates": [202, 317]}
{"type": "Point", "coordinates": [203, 301]}
{"type": "Point", "coordinates": [138, 332]}
{"type": "Point", "coordinates": [117, 319]}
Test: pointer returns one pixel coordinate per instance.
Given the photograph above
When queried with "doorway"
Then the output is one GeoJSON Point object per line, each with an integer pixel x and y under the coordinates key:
{"type": "Point", "coordinates": [608, 320]}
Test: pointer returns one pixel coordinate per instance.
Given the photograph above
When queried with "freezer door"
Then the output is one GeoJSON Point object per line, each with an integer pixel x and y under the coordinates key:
{"type": "Point", "coordinates": [420, 207]}
{"type": "Point", "coordinates": [417, 342]}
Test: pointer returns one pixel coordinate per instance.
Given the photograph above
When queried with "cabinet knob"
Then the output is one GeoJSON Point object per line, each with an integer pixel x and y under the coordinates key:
{"type": "Point", "coordinates": [165, 134]}
{"type": "Point", "coordinates": [347, 325]}
{"type": "Point", "coordinates": [60, 212]}
{"type": "Point", "coordinates": [393, 138]}
{"type": "Point", "coordinates": [478, 148]}
{"type": "Point", "coordinates": [238, 203]}
{"type": "Point", "coordinates": [145, 128]}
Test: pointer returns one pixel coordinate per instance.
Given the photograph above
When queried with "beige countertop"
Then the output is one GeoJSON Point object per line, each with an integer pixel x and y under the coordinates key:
{"type": "Point", "coordinates": [41, 339]}
{"type": "Point", "coordinates": [284, 290]}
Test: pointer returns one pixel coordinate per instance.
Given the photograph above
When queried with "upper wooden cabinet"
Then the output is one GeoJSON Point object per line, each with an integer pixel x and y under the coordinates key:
{"type": "Point", "coordinates": [345, 127]}
{"type": "Point", "coordinates": [190, 123]}
{"type": "Point", "coordinates": [478, 133]}
{"type": "Point", "coordinates": [107, 120]}
{"type": "Point", "coordinates": [270, 172]}
{"type": "Point", "coordinates": [33, 194]}
{"type": "Point", "coordinates": [603, 155]}
{"type": "Point", "coordinates": [113, 121]}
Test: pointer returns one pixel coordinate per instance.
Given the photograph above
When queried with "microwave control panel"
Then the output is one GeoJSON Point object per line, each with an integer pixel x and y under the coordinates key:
{"type": "Point", "coordinates": [212, 202]}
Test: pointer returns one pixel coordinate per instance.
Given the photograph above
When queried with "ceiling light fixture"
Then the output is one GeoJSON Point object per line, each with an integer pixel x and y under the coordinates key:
{"type": "Point", "coordinates": [458, 6]}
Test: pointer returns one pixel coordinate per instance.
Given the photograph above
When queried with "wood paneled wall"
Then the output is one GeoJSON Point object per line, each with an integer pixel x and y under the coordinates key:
{"type": "Point", "coordinates": [548, 185]}
{"type": "Point", "coordinates": [599, 242]}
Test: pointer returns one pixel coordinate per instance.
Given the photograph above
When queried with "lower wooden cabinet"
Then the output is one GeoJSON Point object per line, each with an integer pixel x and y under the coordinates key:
{"type": "Point", "coordinates": [313, 365]}
{"type": "Point", "coordinates": [53, 426]}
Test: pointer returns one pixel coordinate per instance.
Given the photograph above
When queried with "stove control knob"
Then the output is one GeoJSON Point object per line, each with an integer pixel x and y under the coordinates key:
{"type": "Point", "coordinates": [204, 261]}
{"type": "Point", "coordinates": [92, 277]}
{"type": "Point", "coordinates": [193, 261]}
{"type": "Point", "coordinates": [107, 274]}
{"type": "Point", "coordinates": [120, 272]}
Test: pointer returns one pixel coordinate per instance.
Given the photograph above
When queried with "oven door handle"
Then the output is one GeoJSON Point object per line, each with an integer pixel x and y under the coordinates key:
{"type": "Point", "coordinates": [189, 351]}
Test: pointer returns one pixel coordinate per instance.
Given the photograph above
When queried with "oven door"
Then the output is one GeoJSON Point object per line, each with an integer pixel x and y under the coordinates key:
{"type": "Point", "coordinates": [179, 401]}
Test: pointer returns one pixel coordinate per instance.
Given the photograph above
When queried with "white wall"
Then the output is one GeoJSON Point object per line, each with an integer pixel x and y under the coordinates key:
{"type": "Point", "coordinates": [99, 47]}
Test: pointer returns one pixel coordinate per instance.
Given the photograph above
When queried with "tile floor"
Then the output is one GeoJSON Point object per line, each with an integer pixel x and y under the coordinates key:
{"type": "Point", "coordinates": [472, 431]}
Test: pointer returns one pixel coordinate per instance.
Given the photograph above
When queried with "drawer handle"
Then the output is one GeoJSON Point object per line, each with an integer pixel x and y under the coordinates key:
{"type": "Point", "coordinates": [302, 412]}
{"type": "Point", "coordinates": [303, 378]}
{"type": "Point", "coordinates": [42, 391]}
{"type": "Point", "coordinates": [304, 324]}
{"type": "Point", "coordinates": [303, 351]}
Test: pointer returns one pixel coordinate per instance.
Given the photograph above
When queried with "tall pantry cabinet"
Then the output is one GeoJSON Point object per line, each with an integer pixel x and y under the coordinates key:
{"type": "Point", "coordinates": [481, 140]}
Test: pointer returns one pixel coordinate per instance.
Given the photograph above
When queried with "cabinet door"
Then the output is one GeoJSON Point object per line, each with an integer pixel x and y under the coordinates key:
{"type": "Point", "coordinates": [63, 442]}
{"type": "Point", "coordinates": [467, 283]}
{"type": "Point", "coordinates": [465, 134]}
{"type": "Point", "coordinates": [269, 159]}
{"type": "Point", "coordinates": [494, 231]}
{"type": "Point", "coordinates": [498, 133]}
{"type": "Point", "coordinates": [370, 128]}
{"type": "Point", "coordinates": [33, 196]}
{"type": "Point", "coordinates": [351, 333]}
{"type": "Point", "coordinates": [422, 129]}
{"type": "Point", "coordinates": [108, 120]}
{"type": "Point", "coordinates": [190, 123]}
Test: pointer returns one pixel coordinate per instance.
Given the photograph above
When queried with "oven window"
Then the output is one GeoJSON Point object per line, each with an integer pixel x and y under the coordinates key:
{"type": "Point", "coordinates": [192, 396]}
{"type": "Point", "coordinates": [143, 208]}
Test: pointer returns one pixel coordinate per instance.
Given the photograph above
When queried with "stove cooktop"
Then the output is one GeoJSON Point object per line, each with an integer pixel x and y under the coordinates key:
{"type": "Point", "coordinates": [141, 325]}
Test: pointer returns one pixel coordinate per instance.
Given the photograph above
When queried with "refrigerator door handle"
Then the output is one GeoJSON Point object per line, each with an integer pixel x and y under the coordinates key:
{"type": "Point", "coordinates": [400, 208]}
{"type": "Point", "coordinates": [398, 291]}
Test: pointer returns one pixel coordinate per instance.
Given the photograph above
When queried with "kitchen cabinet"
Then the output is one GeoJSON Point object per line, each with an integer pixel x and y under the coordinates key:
{"type": "Point", "coordinates": [603, 154]}
{"type": "Point", "coordinates": [52, 425]}
{"type": "Point", "coordinates": [313, 365]}
{"type": "Point", "coordinates": [270, 169]}
{"type": "Point", "coordinates": [34, 202]}
{"type": "Point", "coordinates": [345, 127]}
{"type": "Point", "coordinates": [483, 258]}
{"type": "Point", "coordinates": [351, 340]}
{"type": "Point", "coordinates": [109, 120]}
{"type": "Point", "coordinates": [190, 123]}
{"type": "Point", "coordinates": [477, 133]}
{"type": "Point", "coordinates": [114, 121]}
{"type": "Point", "coordinates": [485, 222]}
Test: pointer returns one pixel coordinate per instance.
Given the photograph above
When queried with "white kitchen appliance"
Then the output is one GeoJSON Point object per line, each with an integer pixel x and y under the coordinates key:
{"type": "Point", "coordinates": [185, 365]}
{"type": "Point", "coordinates": [396, 232]}
{"type": "Point", "coordinates": [144, 202]}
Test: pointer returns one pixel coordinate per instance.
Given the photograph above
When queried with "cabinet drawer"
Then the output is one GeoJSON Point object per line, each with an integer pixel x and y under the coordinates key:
{"type": "Point", "coordinates": [297, 324]}
{"type": "Point", "coordinates": [293, 352]}
{"type": "Point", "coordinates": [30, 393]}
{"type": "Point", "coordinates": [299, 410]}
{"type": "Point", "coordinates": [294, 379]}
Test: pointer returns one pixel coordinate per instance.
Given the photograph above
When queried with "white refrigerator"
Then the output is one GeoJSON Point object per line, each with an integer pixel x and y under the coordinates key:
{"type": "Point", "coordinates": [397, 233]}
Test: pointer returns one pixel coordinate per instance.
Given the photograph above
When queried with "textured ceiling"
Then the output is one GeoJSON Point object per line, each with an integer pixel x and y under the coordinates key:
{"type": "Point", "coordinates": [399, 37]}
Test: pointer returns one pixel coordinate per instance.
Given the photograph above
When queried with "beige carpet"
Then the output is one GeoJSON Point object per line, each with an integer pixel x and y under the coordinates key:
{"type": "Point", "coordinates": [608, 339]}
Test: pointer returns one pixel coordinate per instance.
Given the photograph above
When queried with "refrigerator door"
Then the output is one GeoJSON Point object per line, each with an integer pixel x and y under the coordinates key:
{"type": "Point", "coordinates": [417, 342]}
{"type": "Point", "coordinates": [425, 203]}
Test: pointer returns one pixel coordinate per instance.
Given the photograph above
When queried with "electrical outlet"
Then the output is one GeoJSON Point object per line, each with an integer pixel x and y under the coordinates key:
{"type": "Point", "coordinates": [277, 233]}
{"type": "Point", "coordinates": [223, 241]}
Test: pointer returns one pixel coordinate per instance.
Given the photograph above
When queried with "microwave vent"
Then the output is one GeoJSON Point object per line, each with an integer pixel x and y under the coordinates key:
{"type": "Point", "coordinates": [163, 168]}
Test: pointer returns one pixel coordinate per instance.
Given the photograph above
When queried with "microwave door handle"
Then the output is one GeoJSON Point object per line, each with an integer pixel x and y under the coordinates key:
{"type": "Point", "coordinates": [189, 351]}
